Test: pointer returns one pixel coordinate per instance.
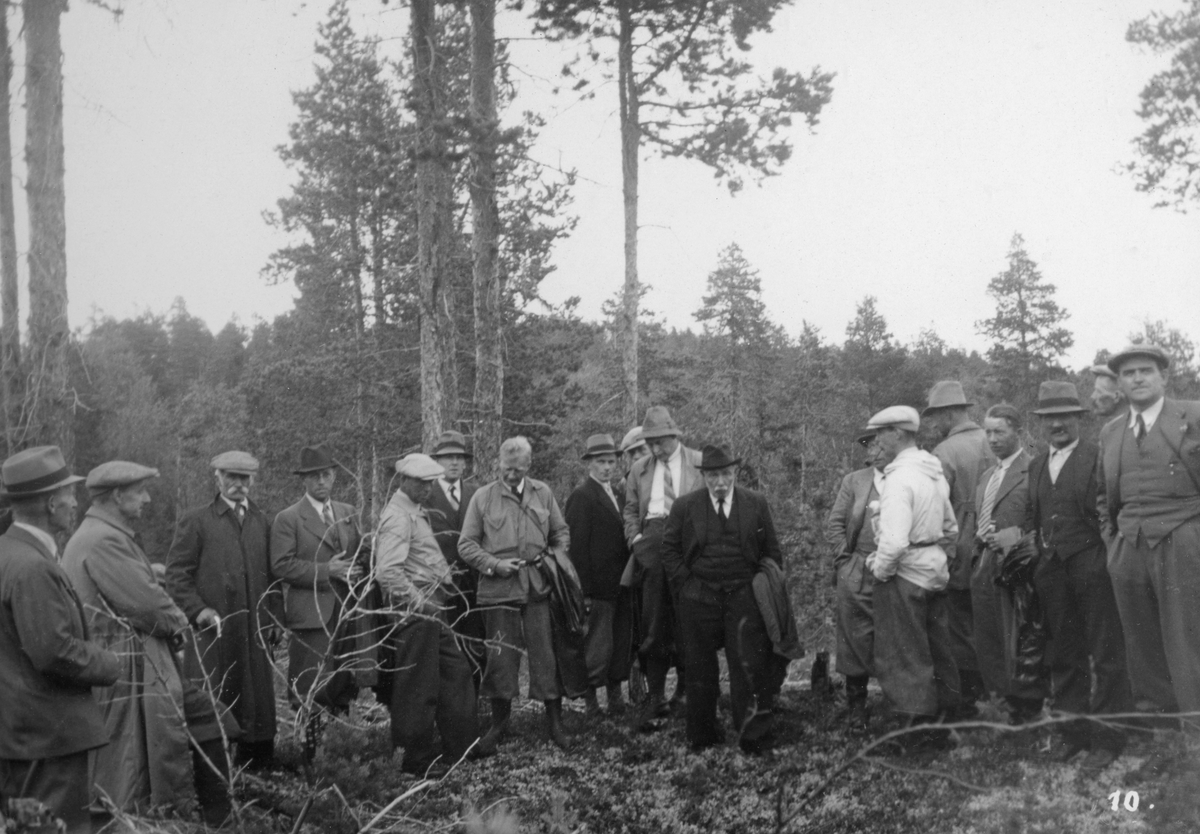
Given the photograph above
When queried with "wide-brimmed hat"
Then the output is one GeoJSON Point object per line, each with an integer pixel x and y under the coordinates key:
{"type": "Point", "coordinates": [633, 439]}
{"type": "Point", "coordinates": [450, 443]}
{"type": "Point", "coordinates": [1147, 350]}
{"type": "Point", "coordinates": [419, 466]}
{"type": "Point", "coordinates": [117, 473]}
{"type": "Point", "coordinates": [898, 416]}
{"type": "Point", "coordinates": [36, 471]}
{"type": "Point", "coordinates": [1058, 398]}
{"type": "Point", "coordinates": [236, 463]}
{"type": "Point", "coordinates": [658, 423]}
{"type": "Point", "coordinates": [716, 457]}
{"type": "Point", "coordinates": [314, 459]}
{"type": "Point", "coordinates": [1103, 370]}
{"type": "Point", "coordinates": [947, 394]}
{"type": "Point", "coordinates": [600, 444]}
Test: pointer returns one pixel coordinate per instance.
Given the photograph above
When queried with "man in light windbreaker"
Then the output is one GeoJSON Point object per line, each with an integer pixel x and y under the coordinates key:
{"type": "Point", "coordinates": [914, 524]}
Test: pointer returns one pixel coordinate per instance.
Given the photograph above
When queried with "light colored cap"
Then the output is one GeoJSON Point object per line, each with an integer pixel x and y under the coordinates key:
{"type": "Point", "coordinates": [239, 463]}
{"type": "Point", "coordinates": [633, 439]}
{"type": "Point", "coordinates": [117, 473]}
{"type": "Point", "coordinates": [1142, 349]}
{"type": "Point", "coordinates": [900, 416]}
{"type": "Point", "coordinates": [419, 466]}
{"type": "Point", "coordinates": [1103, 370]}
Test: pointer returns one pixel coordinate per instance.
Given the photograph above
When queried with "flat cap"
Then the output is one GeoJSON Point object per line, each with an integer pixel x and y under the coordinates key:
{"type": "Point", "coordinates": [1103, 370]}
{"type": "Point", "coordinates": [239, 463]}
{"type": "Point", "coordinates": [419, 466]}
{"type": "Point", "coordinates": [633, 439]}
{"type": "Point", "coordinates": [1145, 349]}
{"type": "Point", "coordinates": [118, 473]}
{"type": "Point", "coordinates": [898, 416]}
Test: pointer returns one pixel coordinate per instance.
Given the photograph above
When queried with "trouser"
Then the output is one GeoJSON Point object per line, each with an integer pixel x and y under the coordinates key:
{"type": "Point", "coordinates": [1086, 649]}
{"type": "Point", "coordinates": [513, 629]}
{"type": "Point", "coordinates": [1157, 589]}
{"type": "Point", "coordinates": [995, 626]}
{"type": "Point", "coordinates": [710, 620]}
{"type": "Point", "coordinates": [658, 648]}
{"type": "Point", "coordinates": [466, 620]}
{"type": "Point", "coordinates": [61, 783]}
{"type": "Point", "coordinates": [310, 662]}
{"type": "Point", "coordinates": [913, 662]}
{"type": "Point", "coordinates": [855, 618]}
{"type": "Point", "coordinates": [432, 694]}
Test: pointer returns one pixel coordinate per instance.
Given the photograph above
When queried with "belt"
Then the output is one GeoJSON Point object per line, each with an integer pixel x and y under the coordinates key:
{"type": "Point", "coordinates": [921, 544]}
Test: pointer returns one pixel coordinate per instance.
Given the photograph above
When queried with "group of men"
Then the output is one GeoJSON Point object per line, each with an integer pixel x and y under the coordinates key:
{"type": "Point", "coordinates": [1065, 580]}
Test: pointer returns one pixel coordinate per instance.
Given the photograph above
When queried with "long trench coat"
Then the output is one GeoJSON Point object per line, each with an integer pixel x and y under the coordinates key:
{"type": "Point", "coordinates": [214, 563]}
{"type": "Point", "coordinates": [147, 761]}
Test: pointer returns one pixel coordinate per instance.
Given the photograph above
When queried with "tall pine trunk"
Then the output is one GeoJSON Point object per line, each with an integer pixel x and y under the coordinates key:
{"type": "Point", "coordinates": [50, 417]}
{"type": "Point", "coordinates": [485, 216]}
{"type": "Point", "coordinates": [630, 142]}
{"type": "Point", "coordinates": [10, 328]}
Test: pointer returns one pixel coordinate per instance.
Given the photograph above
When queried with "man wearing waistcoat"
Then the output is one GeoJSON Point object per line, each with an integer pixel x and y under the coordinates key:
{"type": "Point", "coordinates": [1149, 507]}
{"type": "Point", "coordinates": [1086, 650]}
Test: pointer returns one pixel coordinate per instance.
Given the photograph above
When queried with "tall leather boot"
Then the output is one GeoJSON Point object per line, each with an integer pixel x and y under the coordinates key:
{"type": "Point", "coordinates": [554, 724]}
{"type": "Point", "coordinates": [501, 713]}
{"type": "Point", "coordinates": [212, 787]}
{"type": "Point", "coordinates": [856, 697]}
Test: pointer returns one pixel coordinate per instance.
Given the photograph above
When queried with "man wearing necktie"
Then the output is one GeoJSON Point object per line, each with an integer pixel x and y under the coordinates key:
{"type": "Point", "coordinates": [314, 545]}
{"type": "Point", "coordinates": [714, 543]}
{"type": "Point", "coordinates": [1149, 504]}
{"type": "Point", "coordinates": [599, 554]}
{"type": "Point", "coordinates": [654, 482]}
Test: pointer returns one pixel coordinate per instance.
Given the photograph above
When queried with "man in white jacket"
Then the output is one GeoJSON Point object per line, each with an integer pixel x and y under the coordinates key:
{"type": "Point", "coordinates": [915, 523]}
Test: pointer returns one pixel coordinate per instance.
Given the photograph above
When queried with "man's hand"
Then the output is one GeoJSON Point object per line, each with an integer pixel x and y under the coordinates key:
{"type": "Point", "coordinates": [274, 636]}
{"type": "Point", "coordinates": [208, 618]}
{"type": "Point", "coordinates": [507, 567]}
{"type": "Point", "coordinates": [344, 567]}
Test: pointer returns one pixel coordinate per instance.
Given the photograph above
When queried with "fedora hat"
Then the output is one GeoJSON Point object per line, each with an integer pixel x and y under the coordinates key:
{"type": "Point", "coordinates": [1058, 398]}
{"type": "Point", "coordinates": [947, 394]}
{"type": "Point", "coordinates": [716, 457]}
{"type": "Point", "coordinates": [36, 471]}
{"type": "Point", "coordinates": [600, 444]}
{"type": "Point", "coordinates": [1145, 349]}
{"type": "Point", "coordinates": [450, 443]}
{"type": "Point", "coordinates": [314, 459]}
{"type": "Point", "coordinates": [658, 423]}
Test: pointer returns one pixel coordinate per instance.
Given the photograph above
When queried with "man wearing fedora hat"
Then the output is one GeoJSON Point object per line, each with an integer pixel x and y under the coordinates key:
{"type": "Point", "coordinates": [1107, 399]}
{"type": "Point", "coordinates": [447, 504]}
{"type": "Point", "coordinates": [1086, 650]}
{"type": "Point", "coordinates": [599, 553]}
{"type": "Point", "coordinates": [964, 454]}
{"type": "Point", "coordinates": [1149, 504]}
{"type": "Point", "coordinates": [714, 543]}
{"type": "Point", "coordinates": [219, 573]}
{"type": "Point", "coordinates": [49, 716]}
{"type": "Point", "coordinates": [314, 550]}
{"type": "Point", "coordinates": [654, 483]}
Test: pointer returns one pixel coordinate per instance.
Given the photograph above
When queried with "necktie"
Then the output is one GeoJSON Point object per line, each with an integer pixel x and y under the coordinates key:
{"type": "Point", "coordinates": [454, 495]}
{"type": "Point", "coordinates": [721, 509]}
{"type": "Point", "coordinates": [608, 488]}
{"type": "Point", "coordinates": [327, 515]}
{"type": "Point", "coordinates": [1139, 428]}
{"type": "Point", "coordinates": [517, 492]}
{"type": "Point", "coordinates": [332, 533]}
{"type": "Point", "coordinates": [240, 512]}
{"type": "Point", "coordinates": [668, 488]}
{"type": "Point", "coordinates": [989, 499]}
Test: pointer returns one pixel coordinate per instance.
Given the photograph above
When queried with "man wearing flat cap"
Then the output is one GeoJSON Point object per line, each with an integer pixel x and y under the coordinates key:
{"type": "Point", "coordinates": [964, 454]}
{"type": "Point", "coordinates": [1149, 506]}
{"type": "Point", "coordinates": [49, 716]}
{"type": "Point", "coordinates": [654, 483]}
{"type": "Point", "coordinates": [447, 504]}
{"type": "Point", "coordinates": [1086, 650]}
{"type": "Point", "coordinates": [1107, 399]}
{"type": "Point", "coordinates": [219, 573]}
{"type": "Point", "coordinates": [849, 531]}
{"type": "Point", "coordinates": [314, 551]}
{"type": "Point", "coordinates": [432, 692]}
{"type": "Point", "coordinates": [599, 554]}
{"type": "Point", "coordinates": [714, 545]}
{"type": "Point", "coordinates": [915, 525]}
{"type": "Point", "coordinates": [150, 711]}
{"type": "Point", "coordinates": [633, 448]}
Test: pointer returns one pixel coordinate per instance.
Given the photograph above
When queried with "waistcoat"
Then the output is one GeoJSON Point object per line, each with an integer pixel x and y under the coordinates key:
{"type": "Point", "coordinates": [1156, 492]}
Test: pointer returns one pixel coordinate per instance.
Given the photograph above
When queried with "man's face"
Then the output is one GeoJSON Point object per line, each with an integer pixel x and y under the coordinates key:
{"type": "Point", "coordinates": [719, 481]}
{"type": "Point", "coordinates": [320, 484]}
{"type": "Point", "coordinates": [1106, 397]}
{"type": "Point", "coordinates": [234, 485]}
{"type": "Point", "coordinates": [416, 489]}
{"type": "Point", "coordinates": [874, 455]}
{"type": "Point", "coordinates": [513, 469]}
{"type": "Point", "coordinates": [887, 446]}
{"type": "Point", "coordinates": [131, 500]}
{"type": "Point", "coordinates": [1142, 381]}
{"type": "Point", "coordinates": [455, 466]}
{"type": "Point", "coordinates": [1002, 438]}
{"type": "Point", "coordinates": [60, 509]}
{"type": "Point", "coordinates": [601, 467]}
{"type": "Point", "coordinates": [635, 454]}
{"type": "Point", "coordinates": [663, 447]}
{"type": "Point", "coordinates": [1061, 430]}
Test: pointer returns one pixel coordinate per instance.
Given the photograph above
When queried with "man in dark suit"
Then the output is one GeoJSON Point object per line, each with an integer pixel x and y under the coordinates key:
{"type": "Point", "coordinates": [49, 717]}
{"type": "Point", "coordinates": [599, 554]}
{"type": "Point", "coordinates": [1086, 651]}
{"type": "Point", "coordinates": [1001, 496]}
{"type": "Point", "coordinates": [447, 505]}
{"type": "Point", "coordinates": [713, 544]}
{"type": "Point", "coordinates": [314, 545]}
{"type": "Point", "coordinates": [1149, 507]}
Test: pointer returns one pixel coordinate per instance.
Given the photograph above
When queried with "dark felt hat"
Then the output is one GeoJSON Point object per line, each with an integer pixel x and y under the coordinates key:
{"type": "Point", "coordinates": [1058, 398]}
{"type": "Point", "coordinates": [658, 423]}
{"type": "Point", "coordinates": [450, 443]}
{"type": "Point", "coordinates": [1147, 350]}
{"type": "Point", "coordinates": [947, 394]}
{"type": "Point", "coordinates": [716, 457]}
{"type": "Point", "coordinates": [314, 459]}
{"type": "Point", "coordinates": [600, 444]}
{"type": "Point", "coordinates": [36, 471]}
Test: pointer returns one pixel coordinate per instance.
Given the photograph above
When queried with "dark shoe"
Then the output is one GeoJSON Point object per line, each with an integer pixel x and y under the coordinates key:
{"type": "Point", "coordinates": [1064, 749]}
{"type": "Point", "coordinates": [858, 716]}
{"type": "Point", "coordinates": [678, 703]}
{"type": "Point", "coordinates": [592, 709]}
{"type": "Point", "coordinates": [501, 712]}
{"type": "Point", "coordinates": [616, 703]}
{"type": "Point", "coordinates": [210, 775]}
{"type": "Point", "coordinates": [713, 739]}
{"type": "Point", "coordinates": [965, 711]}
{"type": "Point", "coordinates": [554, 727]}
{"type": "Point", "coordinates": [648, 716]}
{"type": "Point", "coordinates": [1157, 765]}
{"type": "Point", "coordinates": [426, 770]}
{"type": "Point", "coordinates": [1096, 761]}
{"type": "Point", "coordinates": [755, 746]}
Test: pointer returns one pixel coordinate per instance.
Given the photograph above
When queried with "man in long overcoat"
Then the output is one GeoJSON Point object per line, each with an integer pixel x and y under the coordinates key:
{"type": "Point", "coordinates": [219, 573]}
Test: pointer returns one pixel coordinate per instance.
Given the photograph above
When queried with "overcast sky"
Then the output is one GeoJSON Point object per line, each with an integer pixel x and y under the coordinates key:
{"type": "Point", "coordinates": [953, 125]}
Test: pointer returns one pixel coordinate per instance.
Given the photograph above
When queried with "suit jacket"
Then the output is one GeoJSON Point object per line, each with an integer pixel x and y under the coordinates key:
{"type": "Point", "coordinates": [849, 511]}
{"type": "Point", "coordinates": [964, 455]}
{"type": "Point", "coordinates": [598, 548]}
{"type": "Point", "coordinates": [686, 532]}
{"type": "Point", "coordinates": [447, 522]}
{"type": "Point", "coordinates": [1180, 422]}
{"type": "Point", "coordinates": [640, 480]}
{"type": "Point", "coordinates": [1011, 498]}
{"type": "Point", "coordinates": [301, 547]}
{"type": "Point", "coordinates": [1076, 487]}
{"type": "Point", "coordinates": [48, 665]}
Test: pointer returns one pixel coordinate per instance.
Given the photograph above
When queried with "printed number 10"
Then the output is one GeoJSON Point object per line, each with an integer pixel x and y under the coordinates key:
{"type": "Point", "coordinates": [1131, 800]}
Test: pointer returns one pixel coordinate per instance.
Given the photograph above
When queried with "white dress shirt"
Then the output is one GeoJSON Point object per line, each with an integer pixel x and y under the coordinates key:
{"type": "Point", "coordinates": [1149, 414]}
{"type": "Point", "coordinates": [446, 487]}
{"type": "Point", "coordinates": [608, 490]}
{"type": "Point", "coordinates": [657, 507]}
{"type": "Point", "coordinates": [728, 502]}
{"type": "Point", "coordinates": [1058, 459]}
